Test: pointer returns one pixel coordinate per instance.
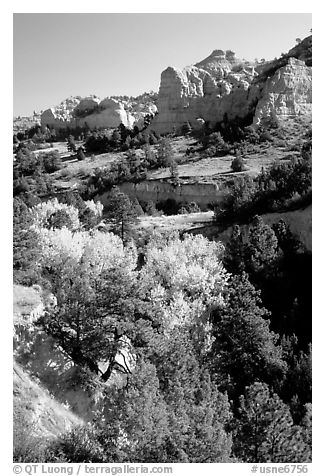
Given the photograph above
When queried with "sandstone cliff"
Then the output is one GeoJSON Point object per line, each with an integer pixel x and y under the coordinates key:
{"type": "Point", "coordinates": [223, 84]}
{"type": "Point", "coordinates": [204, 92]}
{"type": "Point", "coordinates": [286, 94]}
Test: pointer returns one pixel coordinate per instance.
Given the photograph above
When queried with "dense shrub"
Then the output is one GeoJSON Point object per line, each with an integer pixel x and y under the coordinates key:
{"type": "Point", "coordinates": [237, 165]}
{"type": "Point", "coordinates": [51, 161]}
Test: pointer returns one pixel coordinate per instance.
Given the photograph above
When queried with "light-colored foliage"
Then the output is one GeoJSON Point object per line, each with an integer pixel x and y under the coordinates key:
{"type": "Point", "coordinates": [96, 207]}
{"type": "Point", "coordinates": [183, 278]}
{"type": "Point", "coordinates": [98, 250]}
{"type": "Point", "coordinates": [43, 211]}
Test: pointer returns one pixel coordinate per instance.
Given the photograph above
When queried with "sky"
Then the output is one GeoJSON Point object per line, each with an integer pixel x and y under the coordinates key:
{"type": "Point", "coordinates": [56, 55]}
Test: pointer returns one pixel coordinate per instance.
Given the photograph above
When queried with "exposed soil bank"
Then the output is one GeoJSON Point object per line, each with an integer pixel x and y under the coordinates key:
{"type": "Point", "coordinates": [204, 194]}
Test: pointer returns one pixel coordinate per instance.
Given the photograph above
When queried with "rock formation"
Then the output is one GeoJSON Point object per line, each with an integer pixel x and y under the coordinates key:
{"type": "Point", "coordinates": [89, 111]}
{"type": "Point", "coordinates": [219, 86]}
{"type": "Point", "coordinates": [205, 92]}
{"type": "Point", "coordinates": [286, 94]}
{"type": "Point", "coordinates": [222, 85]}
{"type": "Point", "coordinates": [94, 113]}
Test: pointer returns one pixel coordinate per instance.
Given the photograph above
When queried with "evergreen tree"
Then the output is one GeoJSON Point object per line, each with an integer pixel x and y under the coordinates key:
{"type": "Point", "coordinates": [149, 156]}
{"type": "Point", "coordinates": [94, 311]}
{"type": "Point", "coordinates": [26, 250]}
{"type": "Point", "coordinates": [71, 145]}
{"type": "Point", "coordinates": [245, 349]}
{"type": "Point", "coordinates": [288, 243]}
{"type": "Point", "coordinates": [120, 211]}
{"type": "Point", "coordinates": [165, 153]}
{"type": "Point", "coordinates": [198, 412]}
{"type": "Point", "coordinates": [80, 153]}
{"type": "Point", "coordinates": [262, 247]}
{"type": "Point", "coordinates": [173, 167]}
{"type": "Point", "coordinates": [266, 432]}
{"type": "Point", "coordinates": [234, 259]}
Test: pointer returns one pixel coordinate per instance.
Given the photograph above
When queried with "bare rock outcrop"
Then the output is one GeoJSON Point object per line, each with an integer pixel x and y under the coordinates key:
{"type": "Point", "coordinates": [205, 92]}
{"type": "Point", "coordinates": [288, 93]}
{"type": "Point", "coordinates": [222, 84]}
{"type": "Point", "coordinates": [89, 111]}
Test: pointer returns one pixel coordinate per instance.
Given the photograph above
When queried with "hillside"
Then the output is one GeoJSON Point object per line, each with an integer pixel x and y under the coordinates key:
{"type": "Point", "coordinates": [32, 402]}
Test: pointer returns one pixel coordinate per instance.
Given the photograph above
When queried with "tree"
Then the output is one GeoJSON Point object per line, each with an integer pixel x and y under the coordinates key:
{"type": "Point", "coordinates": [288, 243]}
{"type": "Point", "coordinates": [115, 139]}
{"type": "Point", "coordinates": [296, 388]}
{"type": "Point", "coordinates": [237, 165]}
{"type": "Point", "coordinates": [120, 211]}
{"type": "Point", "coordinates": [174, 174]}
{"type": "Point", "coordinates": [52, 214]}
{"type": "Point", "coordinates": [26, 249]}
{"type": "Point", "coordinates": [71, 145]}
{"type": "Point", "coordinates": [198, 412]}
{"type": "Point", "coordinates": [266, 432]}
{"type": "Point", "coordinates": [149, 156]}
{"type": "Point", "coordinates": [59, 219]}
{"type": "Point", "coordinates": [244, 349]}
{"type": "Point", "coordinates": [235, 253]}
{"type": "Point", "coordinates": [306, 150]}
{"type": "Point", "coordinates": [51, 161]}
{"type": "Point", "coordinates": [262, 249]}
{"type": "Point", "coordinates": [94, 311]}
{"type": "Point", "coordinates": [143, 434]}
{"type": "Point", "coordinates": [26, 162]}
{"type": "Point", "coordinates": [165, 153]}
{"type": "Point", "coordinates": [80, 153]}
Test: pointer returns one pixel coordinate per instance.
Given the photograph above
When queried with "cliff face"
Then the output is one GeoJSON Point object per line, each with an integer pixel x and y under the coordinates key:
{"type": "Point", "coordinates": [222, 84]}
{"type": "Point", "coordinates": [204, 92]}
{"type": "Point", "coordinates": [288, 93]}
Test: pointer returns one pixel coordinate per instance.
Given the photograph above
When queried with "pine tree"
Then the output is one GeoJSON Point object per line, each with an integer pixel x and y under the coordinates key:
{"type": "Point", "coordinates": [245, 349]}
{"type": "Point", "coordinates": [149, 156]}
{"type": "Point", "coordinates": [234, 259]}
{"type": "Point", "coordinates": [26, 249]}
{"type": "Point", "coordinates": [71, 145]}
{"type": "Point", "coordinates": [165, 153]}
{"type": "Point", "coordinates": [120, 211]}
{"type": "Point", "coordinates": [80, 153]}
{"type": "Point", "coordinates": [265, 431]}
{"type": "Point", "coordinates": [198, 412]}
{"type": "Point", "coordinates": [174, 173]}
{"type": "Point", "coordinates": [262, 245]}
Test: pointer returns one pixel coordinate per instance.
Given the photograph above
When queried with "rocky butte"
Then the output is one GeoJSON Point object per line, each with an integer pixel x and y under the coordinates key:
{"type": "Point", "coordinates": [224, 87]}
{"type": "Point", "coordinates": [94, 113]}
